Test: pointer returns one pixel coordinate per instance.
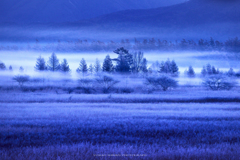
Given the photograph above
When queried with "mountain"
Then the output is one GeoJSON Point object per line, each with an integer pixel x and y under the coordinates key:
{"type": "Point", "coordinates": [193, 12]}
{"type": "Point", "coordinates": [55, 11]}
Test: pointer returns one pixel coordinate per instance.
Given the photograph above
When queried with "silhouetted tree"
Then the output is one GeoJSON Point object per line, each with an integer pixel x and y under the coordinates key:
{"type": "Point", "coordinates": [174, 68]}
{"type": "Point", "coordinates": [143, 66]}
{"type": "Point", "coordinates": [137, 61]}
{"type": "Point", "coordinates": [124, 60]}
{"type": "Point", "coordinates": [21, 79]}
{"type": "Point", "coordinates": [231, 72]}
{"type": "Point", "coordinates": [97, 66]}
{"type": "Point", "coordinates": [190, 72]}
{"type": "Point", "coordinates": [82, 67]}
{"type": "Point", "coordinates": [53, 63]}
{"type": "Point", "coordinates": [64, 67]}
{"type": "Point", "coordinates": [214, 71]}
{"type": "Point", "coordinates": [169, 67]}
{"type": "Point", "coordinates": [40, 64]}
{"type": "Point", "coordinates": [204, 71]}
{"type": "Point", "coordinates": [21, 69]}
{"type": "Point", "coordinates": [10, 68]}
{"type": "Point", "coordinates": [90, 69]}
{"type": "Point", "coordinates": [2, 66]}
{"type": "Point", "coordinates": [107, 64]}
{"type": "Point", "coordinates": [209, 69]}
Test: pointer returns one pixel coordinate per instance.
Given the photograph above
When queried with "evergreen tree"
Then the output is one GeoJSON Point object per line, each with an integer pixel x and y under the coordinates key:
{"type": "Point", "coordinates": [124, 60]}
{"type": "Point", "coordinates": [21, 69]}
{"type": "Point", "coordinates": [2, 66]}
{"type": "Point", "coordinates": [90, 69]}
{"type": "Point", "coordinates": [231, 72]}
{"type": "Point", "coordinates": [107, 64]}
{"type": "Point", "coordinates": [10, 68]}
{"type": "Point", "coordinates": [214, 71]}
{"type": "Point", "coordinates": [162, 67]}
{"type": "Point", "coordinates": [64, 67]}
{"type": "Point", "coordinates": [174, 68]}
{"type": "Point", "coordinates": [211, 42]}
{"type": "Point", "coordinates": [167, 66]}
{"type": "Point", "coordinates": [209, 69]}
{"type": "Point", "coordinates": [82, 67]}
{"type": "Point", "coordinates": [97, 66]}
{"type": "Point", "coordinates": [53, 63]}
{"type": "Point", "coordinates": [143, 67]}
{"type": "Point", "coordinates": [40, 64]}
{"type": "Point", "coordinates": [190, 72]}
{"type": "Point", "coordinates": [204, 71]}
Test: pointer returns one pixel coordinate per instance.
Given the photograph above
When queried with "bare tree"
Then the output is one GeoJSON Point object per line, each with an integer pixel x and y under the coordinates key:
{"type": "Point", "coordinates": [219, 82]}
{"type": "Point", "coordinates": [21, 79]}
{"type": "Point", "coordinates": [106, 82]}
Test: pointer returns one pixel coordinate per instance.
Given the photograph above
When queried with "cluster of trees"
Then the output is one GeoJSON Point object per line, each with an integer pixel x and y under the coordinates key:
{"type": "Point", "coordinates": [125, 63]}
{"type": "Point", "coordinates": [232, 45]}
{"type": "Point", "coordinates": [52, 65]}
{"type": "Point", "coordinates": [3, 67]}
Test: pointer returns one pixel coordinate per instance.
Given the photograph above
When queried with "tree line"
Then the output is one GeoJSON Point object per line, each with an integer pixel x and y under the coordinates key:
{"type": "Point", "coordinates": [125, 63]}
{"type": "Point", "coordinates": [232, 45]}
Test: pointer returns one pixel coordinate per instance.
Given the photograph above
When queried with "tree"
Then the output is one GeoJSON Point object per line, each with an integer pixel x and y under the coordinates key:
{"type": "Point", "coordinates": [143, 66]}
{"type": "Point", "coordinates": [214, 71]}
{"type": "Point", "coordinates": [21, 79]}
{"type": "Point", "coordinates": [106, 82]}
{"type": "Point", "coordinates": [231, 73]}
{"type": "Point", "coordinates": [2, 66]}
{"type": "Point", "coordinates": [163, 82]}
{"type": "Point", "coordinates": [21, 69]}
{"type": "Point", "coordinates": [124, 60]}
{"type": "Point", "coordinates": [212, 42]}
{"type": "Point", "coordinates": [10, 68]}
{"type": "Point", "coordinates": [204, 71]}
{"type": "Point", "coordinates": [64, 67]}
{"type": "Point", "coordinates": [169, 67]}
{"type": "Point", "coordinates": [137, 61]}
{"type": "Point", "coordinates": [174, 68]}
{"type": "Point", "coordinates": [82, 67]}
{"type": "Point", "coordinates": [90, 69]}
{"type": "Point", "coordinates": [209, 69]}
{"type": "Point", "coordinates": [40, 64]}
{"type": "Point", "coordinates": [107, 64]}
{"type": "Point", "coordinates": [190, 72]}
{"type": "Point", "coordinates": [53, 63]}
{"type": "Point", "coordinates": [97, 66]}
{"type": "Point", "coordinates": [218, 82]}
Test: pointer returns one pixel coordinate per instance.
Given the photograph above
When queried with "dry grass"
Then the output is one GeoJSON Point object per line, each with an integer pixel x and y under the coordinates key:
{"type": "Point", "coordinates": [80, 131]}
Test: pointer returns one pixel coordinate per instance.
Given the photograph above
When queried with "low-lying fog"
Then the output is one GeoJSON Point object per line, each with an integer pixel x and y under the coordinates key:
{"type": "Point", "coordinates": [27, 59]}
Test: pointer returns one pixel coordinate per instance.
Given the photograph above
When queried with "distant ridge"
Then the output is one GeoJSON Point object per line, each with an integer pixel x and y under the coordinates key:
{"type": "Point", "coordinates": [193, 12]}
{"type": "Point", "coordinates": [59, 11]}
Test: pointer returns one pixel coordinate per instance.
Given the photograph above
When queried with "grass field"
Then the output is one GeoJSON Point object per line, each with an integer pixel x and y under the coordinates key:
{"type": "Point", "coordinates": [119, 131]}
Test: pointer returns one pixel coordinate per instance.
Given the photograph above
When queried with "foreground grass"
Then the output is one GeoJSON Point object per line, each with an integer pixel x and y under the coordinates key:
{"type": "Point", "coordinates": [150, 131]}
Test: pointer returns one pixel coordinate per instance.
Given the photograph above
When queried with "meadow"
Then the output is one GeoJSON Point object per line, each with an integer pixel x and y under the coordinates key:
{"type": "Point", "coordinates": [57, 116]}
{"type": "Point", "coordinates": [119, 130]}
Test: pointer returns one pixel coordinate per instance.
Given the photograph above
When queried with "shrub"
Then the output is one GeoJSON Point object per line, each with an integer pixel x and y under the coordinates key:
{"type": "Point", "coordinates": [21, 79]}
{"type": "Point", "coordinates": [106, 82]}
{"type": "Point", "coordinates": [218, 82]}
{"type": "Point", "coordinates": [126, 90]}
{"type": "Point", "coordinates": [163, 82]}
{"type": "Point", "coordinates": [86, 85]}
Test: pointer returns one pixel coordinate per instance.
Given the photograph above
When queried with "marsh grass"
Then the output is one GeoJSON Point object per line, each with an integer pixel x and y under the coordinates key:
{"type": "Point", "coordinates": [159, 131]}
